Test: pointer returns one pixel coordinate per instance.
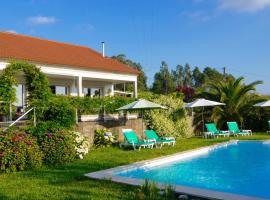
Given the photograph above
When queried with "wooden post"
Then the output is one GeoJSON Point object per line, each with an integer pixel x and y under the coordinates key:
{"type": "Point", "coordinates": [10, 111]}
{"type": "Point", "coordinates": [35, 119]}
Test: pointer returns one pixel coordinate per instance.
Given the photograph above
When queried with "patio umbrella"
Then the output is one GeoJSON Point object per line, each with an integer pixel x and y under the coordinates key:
{"type": "Point", "coordinates": [263, 104]}
{"type": "Point", "coordinates": [202, 103]}
{"type": "Point", "coordinates": [141, 105]}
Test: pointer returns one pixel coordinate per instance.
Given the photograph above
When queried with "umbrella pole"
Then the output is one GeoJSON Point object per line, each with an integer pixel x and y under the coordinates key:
{"type": "Point", "coordinates": [142, 122]}
{"type": "Point", "coordinates": [203, 119]}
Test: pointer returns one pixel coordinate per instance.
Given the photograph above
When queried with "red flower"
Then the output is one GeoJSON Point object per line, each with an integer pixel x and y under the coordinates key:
{"type": "Point", "coordinates": [17, 138]}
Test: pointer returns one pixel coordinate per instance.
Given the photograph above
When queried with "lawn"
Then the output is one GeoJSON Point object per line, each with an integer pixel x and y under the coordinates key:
{"type": "Point", "coordinates": [68, 182]}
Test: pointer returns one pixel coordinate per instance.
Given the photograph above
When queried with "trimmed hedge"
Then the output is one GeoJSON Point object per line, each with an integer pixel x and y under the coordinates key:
{"type": "Point", "coordinates": [88, 105]}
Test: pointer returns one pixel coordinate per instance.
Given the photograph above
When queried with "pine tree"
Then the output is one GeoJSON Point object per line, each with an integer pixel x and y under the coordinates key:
{"type": "Point", "coordinates": [198, 77]}
{"type": "Point", "coordinates": [163, 80]}
{"type": "Point", "coordinates": [178, 76]}
{"type": "Point", "coordinates": [142, 78]}
{"type": "Point", "coordinates": [187, 76]}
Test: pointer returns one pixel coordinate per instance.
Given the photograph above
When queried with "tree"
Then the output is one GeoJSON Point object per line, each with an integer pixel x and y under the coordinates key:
{"type": "Point", "coordinates": [198, 77]}
{"type": "Point", "coordinates": [211, 74]}
{"type": "Point", "coordinates": [188, 92]}
{"type": "Point", "coordinates": [236, 96]}
{"type": "Point", "coordinates": [163, 80]}
{"type": "Point", "coordinates": [142, 78]}
{"type": "Point", "coordinates": [188, 76]}
{"type": "Point", "coordinates": [178, 75]}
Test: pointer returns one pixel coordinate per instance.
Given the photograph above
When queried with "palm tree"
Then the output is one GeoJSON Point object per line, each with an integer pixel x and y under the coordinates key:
{"type": "Point", "coordinates": [237, 96]}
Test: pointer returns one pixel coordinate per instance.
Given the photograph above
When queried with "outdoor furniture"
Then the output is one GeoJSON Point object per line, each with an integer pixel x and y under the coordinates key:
{"type": "Point", "coordinates": [202, 103]}
{"type": "Point", "coordinates": [159, 141]}
{"type": "Point", "coordinates": [233, 128]}
{"type": "Point", "coordinates": [213, 131]}
{"type": "Point", "coordinates": [131, 139]}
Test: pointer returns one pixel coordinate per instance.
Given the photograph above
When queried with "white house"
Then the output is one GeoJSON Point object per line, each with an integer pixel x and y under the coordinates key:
{"type": "Point", "coordinates": [72, 69]}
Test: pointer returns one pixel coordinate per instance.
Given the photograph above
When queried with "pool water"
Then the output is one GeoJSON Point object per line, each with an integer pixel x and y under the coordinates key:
{"type": "Point", "coordinates": [242, 168]}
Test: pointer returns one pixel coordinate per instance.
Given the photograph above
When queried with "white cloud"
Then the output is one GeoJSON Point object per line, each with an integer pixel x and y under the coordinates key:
{"type": "Point", "coordinates": [41, 20]}
{"type": "Point", "coordinates": [244, 5]}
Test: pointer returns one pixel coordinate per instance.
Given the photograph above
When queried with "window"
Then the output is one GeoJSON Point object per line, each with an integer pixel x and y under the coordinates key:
{"type": "Point", "coordinates": [20, 95]}
{"type": "Point", "coordinates": [59, 90]}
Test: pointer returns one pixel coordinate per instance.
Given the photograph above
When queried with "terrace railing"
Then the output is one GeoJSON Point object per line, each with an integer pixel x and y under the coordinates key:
{"type": "Point", "coordinates": [21, 117]}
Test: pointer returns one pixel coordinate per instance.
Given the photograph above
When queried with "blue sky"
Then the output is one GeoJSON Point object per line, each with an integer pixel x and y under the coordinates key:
{"type": "Point", "coordinates": [217, 33]}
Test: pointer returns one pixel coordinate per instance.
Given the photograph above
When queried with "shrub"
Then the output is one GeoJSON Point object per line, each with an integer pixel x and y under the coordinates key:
{"type": "Point", "coordinates": [58, 147]}
{"type": "Point", "coordinates": [82, 144]}
{"type": "Point", "coordinates": [172, 121]}
{"type": "Point", "coordinates": [88, 105]}
{"type": "Point", "coordinates": [60, 114]}
{"type": "Point", "coordinates": [112, 103]}
{"type": "Point", "coordinates": [19, 151]}
{"type": "Point", "coordinates": [150, 191]}
{"type": "Point", "coordinates": [103, 138]}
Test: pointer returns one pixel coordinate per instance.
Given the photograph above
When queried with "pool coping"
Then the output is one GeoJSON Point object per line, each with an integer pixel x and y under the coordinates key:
{"type": "Point", "coordinates": [108, 174]}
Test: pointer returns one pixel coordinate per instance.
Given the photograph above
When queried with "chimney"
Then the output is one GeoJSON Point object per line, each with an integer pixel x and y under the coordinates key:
{"type": "Point", "coordinates": [103, 49]}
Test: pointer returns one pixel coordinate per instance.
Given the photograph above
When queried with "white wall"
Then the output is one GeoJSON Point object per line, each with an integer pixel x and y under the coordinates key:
{"type": "Point", "coordinates": [74, 71]}
{"type": "Point", "coordinates": [91, 78]}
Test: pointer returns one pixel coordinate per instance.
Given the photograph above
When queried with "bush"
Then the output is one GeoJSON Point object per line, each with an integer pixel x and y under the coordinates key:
{"type": "Point", "coordinates": [58, 147]}
{"type": "Point", "coordinates": [19, 151]}
{"type": "Point", "coordinates": [103, 138]}
{"type": "Point", "coordinates": [60, 114]}
{"type": "Point", "coordinates": [172, 121]}
{"type": "Point", "coordinates": [150, 191]}
{"type": "Point", "coordinates": [88, 105]}
{"type": "Point", "coordinates": [82, 144]}
{"type": "Point", "coordinates": [113, 103]}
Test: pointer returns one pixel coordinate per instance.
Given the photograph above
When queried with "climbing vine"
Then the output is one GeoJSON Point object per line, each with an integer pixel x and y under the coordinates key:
{"type": "Point", "coordinates": [37, 85]}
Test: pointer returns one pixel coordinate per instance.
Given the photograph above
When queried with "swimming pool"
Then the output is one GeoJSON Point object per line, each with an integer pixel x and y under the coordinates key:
{"type": "Point", "coordinates": [241, 168]}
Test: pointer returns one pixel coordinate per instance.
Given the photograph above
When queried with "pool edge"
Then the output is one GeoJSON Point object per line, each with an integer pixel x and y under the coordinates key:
{"type": "Point", "coordinates": [108, 174]}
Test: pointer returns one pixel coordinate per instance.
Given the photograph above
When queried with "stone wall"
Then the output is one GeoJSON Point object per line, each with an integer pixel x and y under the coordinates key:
{"type": "Point", "coordinates": [115, 126]}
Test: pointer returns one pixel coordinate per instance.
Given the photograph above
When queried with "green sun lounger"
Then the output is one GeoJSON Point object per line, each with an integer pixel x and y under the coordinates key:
{"type": "Point", "coordinates": [233, 128]}
{"type": "Point", "coordinates": [131, 139]}
{"type": "Point", "coordinates": [213, 131]}
{"type": "Point", "coordinates": [159, 141]}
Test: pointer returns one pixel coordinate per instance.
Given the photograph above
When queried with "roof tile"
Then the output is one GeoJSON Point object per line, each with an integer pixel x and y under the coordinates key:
{"type": "Point", "coordinates": [16, 46]}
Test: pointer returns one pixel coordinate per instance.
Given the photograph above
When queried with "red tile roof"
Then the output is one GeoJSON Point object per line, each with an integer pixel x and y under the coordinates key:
{"type": "Point", "coordinates": [21, 47]}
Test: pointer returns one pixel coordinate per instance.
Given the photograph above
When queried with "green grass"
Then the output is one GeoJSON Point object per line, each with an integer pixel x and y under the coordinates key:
{"type": "Point", "coordinates": [68, 182]}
